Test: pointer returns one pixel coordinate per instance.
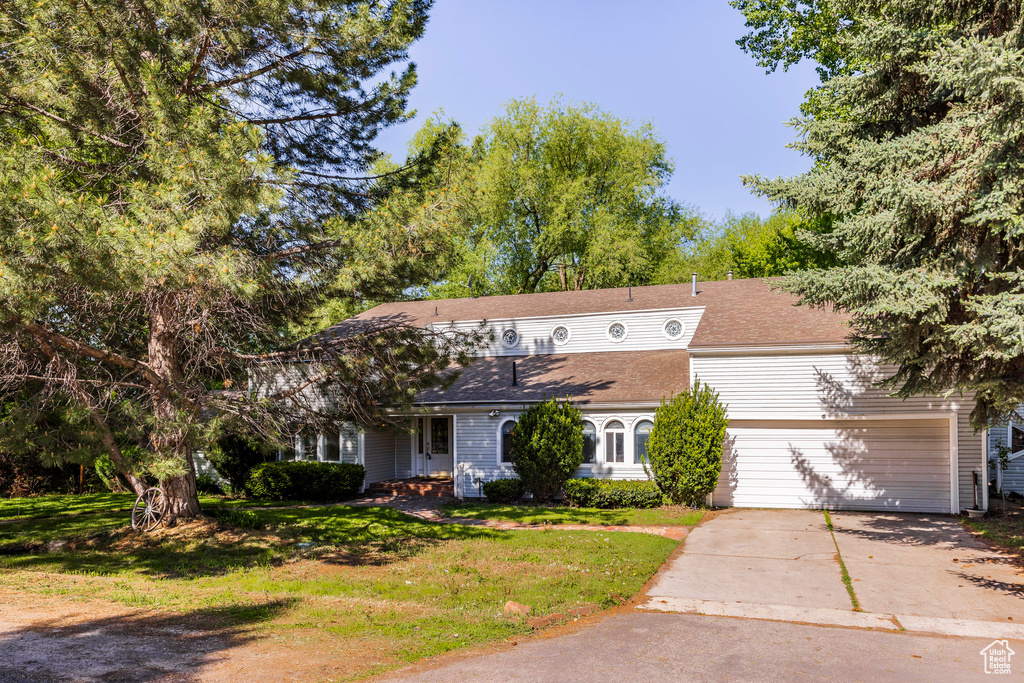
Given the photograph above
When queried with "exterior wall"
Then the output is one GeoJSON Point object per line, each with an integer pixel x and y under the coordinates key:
{"type": "Point", "coordinates": [808, 386]}
{"type": "Point", "coordinates": [379, 453]}
{"type": "Point", "coordinates": [478, 437]}
{"type": "Point", "coordinates": [203, 466]}
{"type": "Point", "coordinates": [588, 333]}
{"type": "Point", "coordinates": [403, 456]}
{"type": "Point", "coordinates": [1013, 476]}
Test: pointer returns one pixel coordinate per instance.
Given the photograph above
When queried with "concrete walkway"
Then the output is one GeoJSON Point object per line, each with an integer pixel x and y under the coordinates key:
{"type": "Point", "coordinates": [915, 572]}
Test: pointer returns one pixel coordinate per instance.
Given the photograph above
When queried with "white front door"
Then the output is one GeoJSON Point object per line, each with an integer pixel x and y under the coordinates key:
{"type": "Point", "coordinates": [438, 446]}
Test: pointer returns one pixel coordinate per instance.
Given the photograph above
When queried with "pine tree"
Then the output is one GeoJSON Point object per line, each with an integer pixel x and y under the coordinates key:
{"type": "Point", "coordinates": [182, 182]}
{"type": "Point", "coordinates": [917, 134]}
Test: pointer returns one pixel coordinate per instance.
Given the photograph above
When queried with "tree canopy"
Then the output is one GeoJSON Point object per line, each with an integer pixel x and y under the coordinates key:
{"type": "Point", "coordinates": [183, 181]}
{"type": "Point", "coordinates": [564, 197]}
{"type": "Point", "coordinates": [917, 142]}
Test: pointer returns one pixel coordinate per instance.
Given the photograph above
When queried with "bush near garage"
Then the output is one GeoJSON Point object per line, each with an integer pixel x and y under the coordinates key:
{"type": "Point", "coordinates": [684, 452]}
{"type": "Point", "coordinates": [608, 494]}
{"type": "Point", "coordinates": [297, 480]}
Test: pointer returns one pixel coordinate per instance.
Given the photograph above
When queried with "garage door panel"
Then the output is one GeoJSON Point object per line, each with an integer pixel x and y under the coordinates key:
{"type": "Point", "coordinates": [854, 464]}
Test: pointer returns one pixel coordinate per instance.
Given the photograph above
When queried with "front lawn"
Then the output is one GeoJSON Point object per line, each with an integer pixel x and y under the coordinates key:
{"type": "Point", "coordinates": [391, 586]}
{"type": "Point", "coordinates": [539, 514]}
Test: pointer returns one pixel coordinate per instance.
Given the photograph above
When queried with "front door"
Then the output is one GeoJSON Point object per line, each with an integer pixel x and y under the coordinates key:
{"type": "Point", "coordinates": [438, 447]}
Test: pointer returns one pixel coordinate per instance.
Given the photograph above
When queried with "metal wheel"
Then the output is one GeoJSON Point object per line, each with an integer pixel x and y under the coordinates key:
{"type": "Point", "coordinates": [149, 510]}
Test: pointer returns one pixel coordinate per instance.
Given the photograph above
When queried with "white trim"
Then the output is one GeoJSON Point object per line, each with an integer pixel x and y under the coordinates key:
{"type": "Point", "coordinates": [501, 425]}
{"type": "Point", "coordinates": [954, 466]}
{"type": "Point", "coordinates": [770, 349]}
{"type": "Point", "coordinates": [571, 316]}
{"type": "Point", "coordinates": [608, 331]}
{"type": "Point", "coordinates": [984, 469]}
{"type": "Point", "coordinates": [568, 331]}
{"type": "Point", "coordinates": [682, 329]}
{"type": "Point", "coordinates": [361, 456]}
{"type": "Point", "coordinates": [455, 456]}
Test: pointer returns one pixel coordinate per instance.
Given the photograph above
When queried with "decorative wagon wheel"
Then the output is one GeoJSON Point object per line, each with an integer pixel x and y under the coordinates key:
{"type": "Point", "coordinates": [149, 509]}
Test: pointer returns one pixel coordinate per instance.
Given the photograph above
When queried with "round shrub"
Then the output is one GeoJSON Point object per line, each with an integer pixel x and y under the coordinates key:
{"type": "Point", "coordinates": [684, 452]}
{"type": "Point", "coordinates": [298, 480]}
{"type": "Point", "coordinates": [547, 447]}
{"type": "Point", "coordinates": [607, 493]}
{"type": "Point", "coordinates": [504, 490]}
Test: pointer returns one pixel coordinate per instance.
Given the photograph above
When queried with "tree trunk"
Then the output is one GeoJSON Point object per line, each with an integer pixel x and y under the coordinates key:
{"type": "Point", "coordinates": [169, 440]}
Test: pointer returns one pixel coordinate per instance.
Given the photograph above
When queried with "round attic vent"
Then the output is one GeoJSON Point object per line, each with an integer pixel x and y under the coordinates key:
{"type": "Point", "coordinates": [560, 335]}
{"type": "Point", "coordinates": [509, 338]}
{"type": "Point", "coordinates": [617, 332]}
{"type": "Point", "coordinates": [674, 328]}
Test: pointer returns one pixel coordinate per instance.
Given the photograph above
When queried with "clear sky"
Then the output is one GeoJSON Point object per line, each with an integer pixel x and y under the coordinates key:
{"type": "Point", "coordinates": [673, 63]}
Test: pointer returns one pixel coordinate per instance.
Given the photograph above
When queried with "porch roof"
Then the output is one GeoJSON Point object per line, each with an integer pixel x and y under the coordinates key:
{"type": "Point", "coordinates": [609, 377]}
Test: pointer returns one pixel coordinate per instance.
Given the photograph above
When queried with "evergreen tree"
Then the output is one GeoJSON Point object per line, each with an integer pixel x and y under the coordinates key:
{"type": "Point", "coordinates": [917, 136]}
{"type": "Point", "coordinates": [180, 183]}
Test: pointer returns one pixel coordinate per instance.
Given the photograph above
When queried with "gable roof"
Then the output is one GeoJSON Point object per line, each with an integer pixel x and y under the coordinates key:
{"type": "Point", "coordinates": [602, 377]}
{"type": "Point", "coordinates": [737, 312]}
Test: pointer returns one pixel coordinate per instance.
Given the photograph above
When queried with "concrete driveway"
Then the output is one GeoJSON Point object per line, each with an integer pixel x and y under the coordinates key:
{"type": "Point", "coordinates": [920, 573]}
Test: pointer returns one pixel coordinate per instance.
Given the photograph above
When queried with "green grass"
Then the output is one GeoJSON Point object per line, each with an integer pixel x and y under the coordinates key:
{"type": "Point", "coordinates": [1005, 530]}
{"type": "Point", "coordinates": [842, 566]}
{"type": "Point", "coordinates": [396, 587]}
{"type": "Point", "coordinates": [536, 514]}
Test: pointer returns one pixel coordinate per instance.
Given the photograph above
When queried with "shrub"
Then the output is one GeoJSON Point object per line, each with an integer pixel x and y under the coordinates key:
{"type": "Point", "coordinates": [605, 493]}
{"type": "Point", "coordinates": [504, 490]}
{"type": "Point", "coordinates": [684, 451]}
{"type": "Point", "coordinates": [205, 483]}
{"type": "Point", "coordinates": [547, 447]}
{"type": "Point", "coordinates": [240, 519]}
{"type": "Point", "coordinates": [234, 457]}
{"type": "Point", "coordinates": [297, 480]}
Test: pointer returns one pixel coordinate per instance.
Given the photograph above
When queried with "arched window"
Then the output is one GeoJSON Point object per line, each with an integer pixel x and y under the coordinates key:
{"type": "Point", "coordinates": [641, 433]}
{"type": "Point", "coordinates": [589, 442]}
{"type": "Point", "coordinates": [614, 442]}
{"type": "Point", "coordinates": [506, 441]}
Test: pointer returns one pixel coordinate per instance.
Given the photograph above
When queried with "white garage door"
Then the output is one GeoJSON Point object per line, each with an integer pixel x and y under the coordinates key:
{"type": "Point", "coordinates": [850, 464]}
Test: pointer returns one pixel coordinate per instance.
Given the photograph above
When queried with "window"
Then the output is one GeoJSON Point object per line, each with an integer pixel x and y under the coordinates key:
{"type": "Point", "coordinates": [419, 435]}
{"type": "Point", "coordinates": [332, 447]}
{"type": "Point", "coordinates": [506, 440]}
{"type": "Point", "coordinates": [589, 442]}
{"type": "Point", "coordinates": [509, 338]}
{"type": "Point", "coordinates": [308, 446]}
{"type": "Point", "coordinates": [560, 335]}
{"type": "Point", "coordinates": [1016, 439]}
{"type": "Point", "coordinates": [614, 442]}
{"type": "Point", "coordinates": [617, 332]}
{"type": "Point", "coordinates": [674, 328]}
{"type": "Point", "coordinates": [641, 433]}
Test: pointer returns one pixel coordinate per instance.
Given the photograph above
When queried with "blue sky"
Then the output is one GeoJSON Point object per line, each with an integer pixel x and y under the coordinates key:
{"type": "Point", "coordinates": [675, 64]}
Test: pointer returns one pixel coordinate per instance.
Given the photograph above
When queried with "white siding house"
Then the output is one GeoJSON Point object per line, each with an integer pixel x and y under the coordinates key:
{"type": "Point", "coordinates": [809, 427]}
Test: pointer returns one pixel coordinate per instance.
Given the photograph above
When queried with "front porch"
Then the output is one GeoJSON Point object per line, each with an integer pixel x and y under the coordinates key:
{"type": "Point", "coordinates": [429, 487]}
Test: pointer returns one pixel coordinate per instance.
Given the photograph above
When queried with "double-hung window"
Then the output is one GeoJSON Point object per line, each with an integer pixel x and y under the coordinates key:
{"type": "Point", "coordinates": [506, 441]}
{"type": "Point", "coordinates": [589, 442]}
{"type": "Point", "coordinates": [641, 433]}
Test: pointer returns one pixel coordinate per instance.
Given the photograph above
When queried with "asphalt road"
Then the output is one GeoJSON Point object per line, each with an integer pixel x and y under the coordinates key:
{"type": "Point", "coordinates": [687, 647]}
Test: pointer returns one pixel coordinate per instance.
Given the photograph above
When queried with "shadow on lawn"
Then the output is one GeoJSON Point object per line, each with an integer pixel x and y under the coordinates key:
{"type": "Point", "coordinates": [128, 647]}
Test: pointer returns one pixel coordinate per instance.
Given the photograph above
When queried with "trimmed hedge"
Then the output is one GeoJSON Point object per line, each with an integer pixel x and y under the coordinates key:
{"type": "Point", "coordinates": [298, 480]}
{"type": "Point", "coordinates": [606, 493]}
{"type": "Point", "coordinates": [504, 490]}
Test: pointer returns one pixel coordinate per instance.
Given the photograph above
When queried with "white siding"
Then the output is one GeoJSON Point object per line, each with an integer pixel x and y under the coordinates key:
{"type": "Point", "coordinates": [380, 456]}
{"type": "Point", "coordinates": [477, 443]}
{"type": "Point", "coordinates": [830, 386]}
{"type": "Point", "coordinates": [589, 332]}
{"type": "Point", "coordinates": [1013, 477]}
{"type": "Point", "coordinates": [837, 464]}
{"type": "Point", "coordinates": [403, 456]}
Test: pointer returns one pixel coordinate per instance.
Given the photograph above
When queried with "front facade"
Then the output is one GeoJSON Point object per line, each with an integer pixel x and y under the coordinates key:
{"type": "Point", "coordinates": [808, 428]}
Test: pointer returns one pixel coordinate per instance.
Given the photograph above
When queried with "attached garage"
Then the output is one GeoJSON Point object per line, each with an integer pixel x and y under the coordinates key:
{"type": "Point", "coordinates": [863, 464]}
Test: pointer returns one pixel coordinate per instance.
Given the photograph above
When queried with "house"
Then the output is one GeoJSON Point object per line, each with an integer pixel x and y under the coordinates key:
{"type": "Point", "coordinates": [1011, 436]}
{"type": "Point", "coordinates": [808, 428]}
